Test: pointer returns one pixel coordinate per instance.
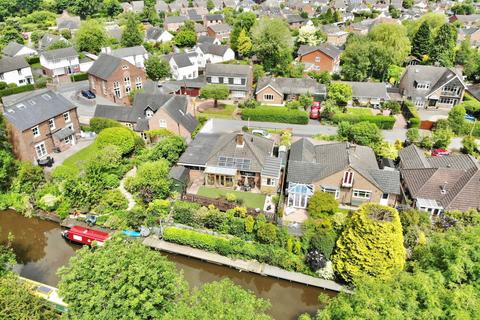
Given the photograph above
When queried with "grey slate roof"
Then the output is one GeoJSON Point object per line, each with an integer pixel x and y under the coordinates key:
{"type": "Point", "coordinates": [34, 107]}
{"type": "Point", "coordinates": [153, 33]}
{"type": "Point", "coordinates": [12, 48]}
{"type": "Point", "coordinates": [12, 63]}
{"type": "Point", "coordinates": [219, 69]}
{"type": "Point", "coordinates": [104, 66]}
{"type": "Point", "coordinates": [370, 90]}
{"type": "Point", "coordinates": [119, 113]}
{"type": "Point", "coordinates": [294, 18]}
{"type": "Point", "coordinates": [310, 163]}
{"type": "Point", "coordinates": [221, 27]}
{"type": "Point", "coordinates": [48, 39]}
{"type": "Point", "coordinates": [69, 52]}
{"type": "Point", "coordinates": [199, 149]}
{"type": "Point", "coordinates": [175, 19]}
{"type": "Point", "coordinates": [214, 49]}
{"type": "Point", "coordinates": [272, 167]}
{"type": "Point", "coordinates": [213, 17]}
{"type": "Point", "coordinates": [179, 173]}
{"type": "Point", "coordinates": [412, 157]}
{"type": "Point", "coordinates": [296, 86]}
{"type": "Point", "coordinates": [182, 60]}
{"type": "Point", "coordinates": [129, 51]}
{"type": "Point", "coordinates": [328, 49]}
{"type": "Point", "coordinates": [205, 40]}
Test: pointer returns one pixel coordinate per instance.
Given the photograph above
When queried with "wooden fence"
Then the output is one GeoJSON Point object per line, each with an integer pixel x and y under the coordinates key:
{"type": "Point", "coordinates": [223, 205]}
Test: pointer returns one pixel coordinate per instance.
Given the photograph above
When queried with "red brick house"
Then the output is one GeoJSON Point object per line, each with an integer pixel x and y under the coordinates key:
{"type": "Point", "coordinates": [40, 123]}
{"type": "Point", "coordinates": [114, 78]}
{"type": "Point", "coordinates": [219, 31]}
{"type": "Point", "coordinates": [324, 57]}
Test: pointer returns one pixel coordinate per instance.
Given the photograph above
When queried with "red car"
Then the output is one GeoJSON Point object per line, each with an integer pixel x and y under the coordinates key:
{"type": "Point", "coordinates": [439, 152]}
{"type": "Point", "coordinates": [315, 111]}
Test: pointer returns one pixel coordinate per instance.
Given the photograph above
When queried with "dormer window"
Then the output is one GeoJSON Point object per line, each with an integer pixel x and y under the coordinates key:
{"type": "Point", "coordinates": [149, 113]}
{"type": "Point", "coordinates": [347, 179]}
{"type": "Point", "coordinates": [423, 85]}
{"type": "Point", "coordinates": [124, 67]}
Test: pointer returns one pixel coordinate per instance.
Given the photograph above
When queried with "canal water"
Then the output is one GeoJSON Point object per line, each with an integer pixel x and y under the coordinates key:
{"type": "Point", "coordinates": [41, 250]}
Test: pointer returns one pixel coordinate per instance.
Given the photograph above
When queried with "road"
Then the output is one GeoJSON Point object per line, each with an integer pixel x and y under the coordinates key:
{"type": "Point", "coordinates": [308, 130]}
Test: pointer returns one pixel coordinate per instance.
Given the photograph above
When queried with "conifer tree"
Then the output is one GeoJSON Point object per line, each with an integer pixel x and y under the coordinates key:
{"type": "Point", "coordinates": [422, 41]}
{"type": "Point", "coordinates": [131, 35]}
{"type": "Point", "coordinates": [443, 47]}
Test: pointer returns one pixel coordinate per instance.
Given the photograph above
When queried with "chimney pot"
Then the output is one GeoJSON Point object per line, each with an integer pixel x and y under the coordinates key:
{"type": "Point", "coordinates": [239, 139]}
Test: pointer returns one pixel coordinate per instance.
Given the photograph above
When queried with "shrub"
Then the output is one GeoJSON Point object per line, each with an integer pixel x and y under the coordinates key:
{"type": "Point", "coordinates": [249, 104]}
{"type": "Point", "coordinates": [231, 197]}
{"type": "Point", "coordinates": [112, 200]}
{"type": "Point", "coordinates": [33, 60]}
{"type": "Point", "coordinates": [79, 77]}
{"type": "Point", "coordinates": [3, 85]}
{"type": "Point", "coordinates": [17, 201]}
{"type": "Point", "coordinates": [28, 178]}
{"type": "Point", "coordinates": [393, 106]}
{"type": "Point", "coordinates": [267, 232]}
{"type": "Point", "coordinates": [410, 113]}
{"type": "Point", "coordinates": [98, 124]}
{"type": "Point", "coordinates": [324, 242]}
{"type": "Point", "coordinates": [321, 203]}
{"type": "Point", "coordinates": [9, 91]}
{"type": "Point", "coordinates": [151, 181]}
{"type": "Point", "coordinates": [371, 244]}
{"type": "Point", "coordinates": [184, 212]}
{"type": "Point", "coordinates": [383, 122]}
{"type": "Point", "coordinates": [121, 137]}
{"type": "Point", "coordinates": [275, 114]}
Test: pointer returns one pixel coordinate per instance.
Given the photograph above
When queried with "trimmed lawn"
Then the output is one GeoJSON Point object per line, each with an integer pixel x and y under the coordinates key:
{"type": "Point", "coordinates": [360, 111]}
{"type": "Point", "coordinates": [250, 200]}
{"type": "Point", "coordinates": [83, 155]}
{"type": "Point", "coordinates": [36, 65]}
{"type": "Point", "coordinates": [223, 111]}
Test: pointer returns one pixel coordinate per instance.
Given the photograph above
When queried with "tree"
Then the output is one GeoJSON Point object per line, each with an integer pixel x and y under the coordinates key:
{"type": "Point", "coordinates": [132, 34]}
{"type": "Point", "coordinates": [220, 300]}
{"type": "Point", "coordinates": [456, 118]}
{"type": "Point", "coordinates": [121, 137]}
{"type": "Point", "coordinates": [215, 91]}
{"type": "Point", "coordinates": [308, 35]}
{"type": "Point", "coordinates": [112, 7]}
{"type": "Point", "coordinates": [7, 169]}
{"type": "Point", "coordinates": [341, 93]}
{"type": "Point", "coordinates": [422, 41]}
{"type": "Point", "coordinates": [86, 8]}
{"type": "Point", "coordinates": [244, 21]}
{"type": "Point", "coordinates": [17, 302]}
{"type": "Point", "coordinates": [384, 149]}
{"type": "Point", "coordinates": [169, 148]}
{"type": "Point", "coordinates": [151, 181]}
{"type": "Point", "coordinates": [306, 100]}
{"type": "Point", "coordinates": [321, 203]}
{"type": "Point", "coordinates": [323, 77]}
{"type": "Point", "coordinates": [210, 5]}
{"type": "Point", "coordinates": [129, 279]}
{"type": "Point", "coordinates": [10, 34]}
{"type": "Point", "coordinates": [470, 146]}
{"type": "Point", "coordinates": [186, 36]}
{"type": "Point", "coordinates": [365, 134]}
{"type": "Point", "coordinates": [157, 68]}
{"type": "Point", "coordinates": [465, 53]}
{"type": "Point", "coordinates": [413, 135]}
{"type": "Point", "coordinates": [356, 61]}
{"type": "Point", "coordinates": [393, 37]}
{"type": "Point", "coordinates": [244, 44]}
{"type": "Point", "coordinates": [371, 244]}
{"type": "Point", "coordinates": [272, 43]}
{"type": "Point", "coordinates": [443, 47]}
{"type": "Point", "coordinates": [91, 37]}
{"type": "Point", "coordinates": [407, 4]}
{"type": "Point", "coordinates": [442, 137]}
{"type": "Point", "coordinates": [58, 45]}
{"type": "Point", "coordinates": [394, 74]}
{"type": "Point", "coordinates": [463, 8]}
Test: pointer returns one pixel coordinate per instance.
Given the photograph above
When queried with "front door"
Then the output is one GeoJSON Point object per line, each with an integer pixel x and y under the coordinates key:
{"type": "Point", "coordinates": [384, 200]}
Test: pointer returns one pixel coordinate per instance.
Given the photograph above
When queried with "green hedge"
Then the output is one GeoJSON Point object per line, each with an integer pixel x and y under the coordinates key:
{"type": "Point", "coordinates": [383, 122]}
{"type": "Point", "coordinates": [236, 247]}
{"type": "Point", "coordinates": [410, 113]}
{"type": "Point", "coordinates": [10, 91]}
{"type": "Point", "coordinates": [33, 60]}
{"type": "Point", "coordinates": [79, 76]}
{"type": "Point", "coordinates": [275, 114]}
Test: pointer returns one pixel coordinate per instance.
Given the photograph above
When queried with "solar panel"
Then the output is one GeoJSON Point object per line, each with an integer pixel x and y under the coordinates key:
{"type": "Point", "coordinates": [238, 163]}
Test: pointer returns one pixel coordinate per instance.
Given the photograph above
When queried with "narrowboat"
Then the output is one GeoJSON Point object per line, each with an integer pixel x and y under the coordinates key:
{"type": "Point", "coordinates": [85, 236]}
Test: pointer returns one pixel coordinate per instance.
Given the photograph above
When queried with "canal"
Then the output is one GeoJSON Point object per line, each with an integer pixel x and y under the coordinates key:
{"type": "Point", "coordinates": [41, 250]}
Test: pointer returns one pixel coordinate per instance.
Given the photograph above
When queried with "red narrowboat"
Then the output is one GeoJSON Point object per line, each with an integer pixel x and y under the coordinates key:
{"type": "Point", "coordinates": [85, 236]}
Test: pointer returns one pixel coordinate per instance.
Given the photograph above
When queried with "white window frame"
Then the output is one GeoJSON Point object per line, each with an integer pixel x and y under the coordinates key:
{"type": "Point", "coordinates": [237, 81]}
{"type": "Point", "coordinates": [268, 97]}
{"type": "Point", "coordinates": [138, 83]}
{"type": "Point", "coordinates": [148, 113]}
{"type": "Point", "coordinates": [361, 194]}
{"type": "Point", "coordinates": [116, 89]}
{"type": "Point", "coordinates": [214, 79]}
{"type": "Point", "coordinates": [36, 131]}
{"type": "Point", "coordinates": [162, 123]}
{"type": "Point", "coordinates": [335, 191]}
{"type": "Point", "coordinates": [317, 59]}
{"type": "Point", "coordinates": [51, 123]}
{"type": "Point", "coordinates": [447, 100]}
{"type": "Point", "coordinates": [66, 117]}
{"type": "Point", "coordinates": [271, 182]}
{"type": "Point", "coordinates": [43, 150]}
{"type": "Point", "coordinates": [347, 180]}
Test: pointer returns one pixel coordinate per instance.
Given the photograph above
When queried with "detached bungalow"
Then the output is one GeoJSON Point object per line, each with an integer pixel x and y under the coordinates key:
{"type": "Point", "coordinates": [15, 70]}
{"type": "Point", "coordinates": [278, 90]}
{"type": "Point", "coordinates": [368, 93]}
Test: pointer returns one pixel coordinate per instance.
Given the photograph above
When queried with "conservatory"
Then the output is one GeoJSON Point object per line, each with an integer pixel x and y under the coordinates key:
{"type": "Point", "coordinates": [298, 194]}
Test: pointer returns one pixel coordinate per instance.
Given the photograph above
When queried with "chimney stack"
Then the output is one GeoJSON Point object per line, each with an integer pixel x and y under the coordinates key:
{"type": "Point", "coordinates": [240, 140]}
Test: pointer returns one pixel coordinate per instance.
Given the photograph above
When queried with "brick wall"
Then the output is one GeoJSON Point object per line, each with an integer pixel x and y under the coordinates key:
{"type": "Point", "coordinates": [326, 63]}
{"type": "Point", "coordinates": [277, 98]}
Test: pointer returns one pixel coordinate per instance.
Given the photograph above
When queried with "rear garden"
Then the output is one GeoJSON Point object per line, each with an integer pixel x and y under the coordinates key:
{"type": "Point", "coordinates": [248, 199]}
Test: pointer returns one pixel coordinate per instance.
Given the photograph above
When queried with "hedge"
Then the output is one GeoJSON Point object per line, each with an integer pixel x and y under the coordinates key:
{"type": "Point", "coordinates": [410, 113]}
{"type": "Point", "coordinates": [235, 247]}
{"type": "Point", "coordinates": [383, 122]}
{"type": "Point", "coordinates": [33, 60]}
{"type": "Point", "coordinates": [97, 124]}
{"type": "Point", "coordinates": [275, 114]}
{"type": "Point", "coordinates": [79, 76]}
{"type": "Point", "coordinates": [10, 91]}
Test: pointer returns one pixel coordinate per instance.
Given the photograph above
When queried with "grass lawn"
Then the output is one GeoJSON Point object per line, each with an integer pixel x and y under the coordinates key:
{"type": "Point", "coordinates": [223, 111]}
{"type": "Point", "coordinates": [85, 154]}
{"type": "Point", "coordinates": [250, 200]}
{"type": "Point", "coordinates": [36, 65]}
{"type": "Point", "coordinates": [360, 111]}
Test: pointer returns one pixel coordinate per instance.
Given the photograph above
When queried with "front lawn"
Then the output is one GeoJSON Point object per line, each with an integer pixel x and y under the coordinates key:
{"type": "Point", "coordinates": [360, 111]}
{"type": "Point", "coordinates": [81, 156]}
{"type": "Point", "coordinates": [250, 200]}
{"type": "Point", "coordinates": [222, 111]}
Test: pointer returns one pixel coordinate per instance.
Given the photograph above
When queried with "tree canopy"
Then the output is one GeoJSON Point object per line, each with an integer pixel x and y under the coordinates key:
{"type": "Point", "coordinates": [91, 37]}
{"type": "Point", "coordinates": [132, 34]}
{"type": "Point", "coordinates": [157, 68]}
{"type": "Point", "coordinates": [215, 91]}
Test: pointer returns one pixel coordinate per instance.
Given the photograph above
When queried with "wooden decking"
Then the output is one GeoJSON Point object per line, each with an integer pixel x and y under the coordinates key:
{"type": "Point", "coordinates": [243, 265]}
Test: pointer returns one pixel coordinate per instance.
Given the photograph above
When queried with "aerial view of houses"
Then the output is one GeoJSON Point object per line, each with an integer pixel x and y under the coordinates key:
{"type": "Point", "coordinates": [239, 159]}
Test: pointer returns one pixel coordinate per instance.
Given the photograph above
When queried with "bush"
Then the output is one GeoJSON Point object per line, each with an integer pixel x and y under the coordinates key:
{"type": "Point", "coordinates": [10, 91]}
{"type": "Point", "coordinates": [184, 212]}
{"type": "Point", "coordinates": [472, 107]}
{"type": "Point", "coordinates": [275, 114]}
{"type": "Point", "coordinates": [3, 85]}
{"type": "Point", "coordinates": [383, 122]}
{"type": "Point", "coordinates": [112, 200]}
{"type": "Point", "coordinates": [79, 77]}
{"type": "Point", "coordinates": [393, 106]}
{"type": "Point", "coordinates": [121, 137]}
{"type": "Point", "coordinates": [249, 104]}
{"type": "Point", "coordinates": [33, 60]}
{"type": "Point", "coordinates": [267, 232]}
{"type": "Point", "coordinates": [321, 203]}
{"type": "Point", "coordinates": [411, 114]}
{"type": "Point", "coordinates": [98, 124]}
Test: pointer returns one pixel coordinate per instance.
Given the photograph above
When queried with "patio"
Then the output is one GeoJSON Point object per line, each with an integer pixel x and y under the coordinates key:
{"type": "Point", "coordinates": [59, 158]}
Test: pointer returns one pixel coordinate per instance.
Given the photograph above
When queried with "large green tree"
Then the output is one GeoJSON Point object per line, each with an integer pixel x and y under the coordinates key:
{"type": "Point", "coordinates": [370, 245]}
{"type": "Point", "coordinates": [215, 92]}
{"type": "Point", "coordinates": [272, 43]}
{"type": "Point", "coordinates": [157, 68]}
{"type": "Point", "coordinates": [132, 34]}
{"type": "Point", "coordinates": [91, 37]}
{"type": "Point", "coordinates": [221, 300]}
{"type": "Point", "coordinates": [394, 38]}
{"type": "Point", "coordinates": [119, 280]}
{"type": "Point", "coordinates": [151, 181]}
{"type": "Point", "coordinates": [422, 41]}
{"type": "Point", "coordinates": [86, 8]}
{"type": "Point", "coordinates": [186, 36]}
{"type": "Point", "coordinates": [356, 61]}
{"type": "Point", "coordinates": [244, 21]}
{"type": "Point", "coordinates": [443, 48]}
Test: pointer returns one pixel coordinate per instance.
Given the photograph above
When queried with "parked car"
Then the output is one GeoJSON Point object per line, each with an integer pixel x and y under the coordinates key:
{"type": "Point", "coordinates": [469, 117]}
{"type": "Point", "coordinates": [88, 94]}
{"type": "Point", "coordinates": [262, 133]}
{"type": "Point", "coordinates": [439, 152]}
{"type": "Point", "coordinates": [315, 111]}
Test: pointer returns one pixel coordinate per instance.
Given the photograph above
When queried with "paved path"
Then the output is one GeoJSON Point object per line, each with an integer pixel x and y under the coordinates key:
{"type": "Point", "coordinates": [128, 195]}
{"type": "Point", "coordinates": [60, 157]}
{"type": "Point", "coordinates": [242, 265]}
